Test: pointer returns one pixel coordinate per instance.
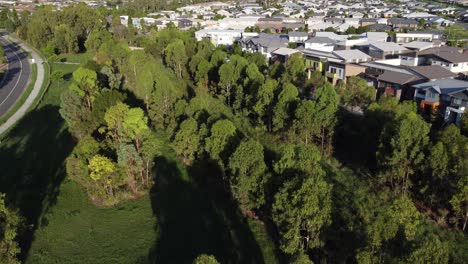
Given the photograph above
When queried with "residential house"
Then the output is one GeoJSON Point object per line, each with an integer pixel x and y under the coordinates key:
{"type": "Point", "coordinates": [297, 37]}
{"type": "Point", "coordinates": [264, 43]}
{"type": "Point", "coordinates": [449, 95]}
{"type": "Point", "coordinates": [365, 22]}
{"type": "Point", "coordinates": [416, 36]}
{"type": "Point", "coordinates": [400, 23]}
{"type": "Point", "coordinates": [454, 61]}
{"type": "Point", "coordinates": [219, 36]}
{"type": "Point", "coordinates": [337, 66]}
{"type": "Point", "coordinates": [385, 50]}
{"type": "Point", "coordinates": [282, 54]}
{"type": "Point", "coordinates": [273, 23]}
{"type": "Point", "coordinates": [320, 43]}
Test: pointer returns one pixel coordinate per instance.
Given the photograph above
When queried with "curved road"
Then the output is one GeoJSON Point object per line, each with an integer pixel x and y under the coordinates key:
{"type": "Point", "coordinates": [17, 77]}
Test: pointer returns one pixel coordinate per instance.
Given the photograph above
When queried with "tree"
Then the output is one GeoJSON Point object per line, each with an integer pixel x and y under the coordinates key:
{"type": "Point", "coordinates": [301, 210]}
{"type": "Point", "coordinates": [10, 221]}
{"type": "Point", "coordinates": [77, 117]}
{"type": "Point", "coordinates": [248, 175]}
{"type": "Point", "coordinates": [176, 56]}
{"type": "Point", "coordinates": [459, 201]}
{"type": "Point", "coordinates": [103, 171]}
{"type": "Point", "coordinates": [401, 150]}
{"type": "Point", "coordinates": [431, 250]}
{"type": "Point", "coordinates": [205, 259]}
{"type": "Point", "coordinates": [230, 74]}
{"type": "Point", "coordinates": [114, 118]}
{"type": "Point", "coordinates": [325, 109]}
{"type": "Point", "coordinates": [284, 108]}
{"type": "Point", "coordinates": [135, 125]}
{"type": "Point", "coordinates": [86, 85]}
{"type": "Point", "coordinates": [65, 39]}
{"type": "Point", "coordinates": [265, 101]}
{"type": "Point", "coordinates": [187, 141]}
{"type": "Point", "coordinates": [104, 101]}
{"type": "Point", "coordinates": [129, 159]}
{"type": "Point", "coordinates": [357, 93]}
{"type": "Point", "coordinates": [222, 135]}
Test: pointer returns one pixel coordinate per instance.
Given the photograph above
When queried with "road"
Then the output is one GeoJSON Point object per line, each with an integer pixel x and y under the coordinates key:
{"type": "Point", "coordinates": [17, 77]}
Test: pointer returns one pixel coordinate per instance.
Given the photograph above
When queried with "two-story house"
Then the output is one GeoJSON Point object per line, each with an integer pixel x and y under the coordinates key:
{"type": "Point", "coordinates": [449, 95]}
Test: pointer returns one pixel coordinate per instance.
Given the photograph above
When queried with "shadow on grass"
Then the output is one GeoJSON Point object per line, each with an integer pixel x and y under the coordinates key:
{"type": "Point", "coordinates": [197, 216]}
{"type": "Point", "coordinates": [32, 159]}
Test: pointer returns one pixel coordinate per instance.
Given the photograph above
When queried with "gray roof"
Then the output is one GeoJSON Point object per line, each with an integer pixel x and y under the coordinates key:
{"type": "Point", "coordinates": [402, 21]}
{"type": "Point", "coordinates": [297, 34]}
{"type": "Point", "coordinates": [387, 46]}
{"type": "Point", "coordinates": [321, 40]}
{"type": "Point", "coordinates": [418, 45]}
{"type": "Point", "coordinates": [351, 55]}
{"type": "Point", "coordinates": [453, 57]}
{"type": "Point", "coordinates": [270, 40]}
{"type": "Point", "coordinates": [397, 77]}
{"type": "Point", "coordinates": [285, 51]}
{"type": "Point", "coordinates": [444, 86]}
{"type": "Point", "coordinates": [432, 72]}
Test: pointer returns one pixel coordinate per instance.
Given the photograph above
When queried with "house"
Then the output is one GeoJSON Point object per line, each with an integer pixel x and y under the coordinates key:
{"type": "Point", "coordinates": [399, 23]}
{"type": "Point", "coordinates": [297, 37]}
{"type": "Point", "coordinates": [184, 23]}
{"type": "Point", "coordinates": [416, 36]}
{"type": "Point", "coordinates": [264, 43]}
{"type": "Point", "coordinates": [282, 54]}
{"type": "Point", "coordinates": [320, 43]}
{"type": "Point", "coordinates": [454, 61]}
{"type": "Point", "coordinates": [337, 66]}
{"type": "Point", "coordinates": [218, 36]}
{"type": "Point", "coordinates": [365, 22]}
{"type": "Point", "coordinates": [385, 50]}
{"type": "Point", "coordinates": [449, 95]}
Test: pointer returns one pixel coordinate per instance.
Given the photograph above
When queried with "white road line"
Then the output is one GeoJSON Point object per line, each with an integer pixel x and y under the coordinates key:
{"type": "Point", "coordinates": [19, 78]}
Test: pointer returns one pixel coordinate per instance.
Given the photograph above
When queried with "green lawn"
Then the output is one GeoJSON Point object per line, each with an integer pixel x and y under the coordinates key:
{"type": "Point", "coordinates": [185, 214]}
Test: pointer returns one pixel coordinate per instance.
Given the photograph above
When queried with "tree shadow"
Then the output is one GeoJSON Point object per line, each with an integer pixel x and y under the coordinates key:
{"type": "Point", "coordinates": [32, 157]}
{"type": "Point", "coordinates": [196, 215]}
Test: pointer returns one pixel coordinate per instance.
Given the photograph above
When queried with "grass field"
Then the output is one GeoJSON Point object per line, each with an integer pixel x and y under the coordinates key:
{"type": "Point", "coordinates": [185, 214]}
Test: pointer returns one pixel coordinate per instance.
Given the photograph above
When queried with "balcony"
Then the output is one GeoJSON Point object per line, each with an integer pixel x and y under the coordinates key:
{"type": "Point", "coordinates": [331, 75]}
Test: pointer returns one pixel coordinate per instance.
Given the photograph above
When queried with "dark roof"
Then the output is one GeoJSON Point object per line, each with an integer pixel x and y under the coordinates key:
{"type": "Point", "coordinates": [368, 20]}
{"type": "Point", "coordinates": [402, 21]}
{"type": "Point", "coordinates": [276, 19]}
{"type": "Point", "coordinates": [453, 57]}
{"type": "Point", "coordinates": [380, 27]}
{"type": "Point", "coordinates": [433, 72]}
{"type": "Point", "coordinates": [444, 86]}
{"type": "Point", "coordinates": [397, 77]}
{"type": "Point", "coordinates": [461, 95]}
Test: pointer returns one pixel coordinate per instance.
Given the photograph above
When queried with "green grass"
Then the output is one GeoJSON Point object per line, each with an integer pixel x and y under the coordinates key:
{"type": "Point", "coordinates": [23, 96]}
{"type": "Point", "coordinates": [185, 214]}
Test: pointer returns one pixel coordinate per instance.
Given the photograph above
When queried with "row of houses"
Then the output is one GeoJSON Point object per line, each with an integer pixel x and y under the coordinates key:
{"type": "Point", "coordinates": [429, 73]}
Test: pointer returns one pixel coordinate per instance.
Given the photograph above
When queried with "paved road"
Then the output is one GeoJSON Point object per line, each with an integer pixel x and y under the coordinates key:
{"type": "Point", "coordinates": [17, 77]}
{"type": "Point", "coordinates": [23, 78]}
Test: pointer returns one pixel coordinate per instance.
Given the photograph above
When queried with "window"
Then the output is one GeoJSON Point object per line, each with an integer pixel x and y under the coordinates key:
{"type": "Point", "coordinates": [333, 70]}
{"type": "Point", "coordinates": [455, 65]}
{"type": "Point", "coordinates": [457, 101]}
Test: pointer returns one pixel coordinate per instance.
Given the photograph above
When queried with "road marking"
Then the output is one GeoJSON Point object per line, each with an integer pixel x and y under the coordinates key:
{"type": "Point", "coordinates": [19, 78]}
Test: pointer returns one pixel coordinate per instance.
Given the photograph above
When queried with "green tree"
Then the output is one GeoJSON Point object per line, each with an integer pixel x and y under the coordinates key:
{"type": "Point", "coordinates": [65, 39]}
{"type": "Point", "coordinates": [459, 201]}
{"type": "Point", "coordinates": [129, 159]}
{"type": "Point", "coordinates": [187, 141]}
{"type": "Point", "coordinates": [205, 259]}
{"type": "Point", "coordinates": [284, 108]}
{"type": "Point", "coordinates": [248, 175]}
{"type": "Point", "coordinates": [265, 101]}
{"type": "Point", "coordinates": [86, 85]}
{"type": "Point", "coordinates": [222, 135]}
{"type": "Point", "coordinates": [176, 56]}
{"type": "Point", "coordinates": [135, 125]}
{"type": "Point", "coordinates": [114, 118]}
{"type": "Point", "coordinates": [103, 171]}
{"type": "Point", "coordinates": [401, 150]}
{"type": "Point", "coordinates": [10, 221]}
{"type": "Point", "coordinates": [357, 93]}
{"type": "Point", "coordinates": [325, 109]}
{"type": "Point", "coordinates": [77, 117]}
{"type": "Point", "coordinates": [301, 210]}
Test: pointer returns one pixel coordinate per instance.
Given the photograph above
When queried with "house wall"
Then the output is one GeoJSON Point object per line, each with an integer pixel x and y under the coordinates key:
{"type": "Point", "coordinates": [319, 46]}
{"type": "Point", "coordinates": [411, 61]}
{"type": "Point", "coordinates": [453, 67]}
{"type": "Point", "coordinates": [353, 70]}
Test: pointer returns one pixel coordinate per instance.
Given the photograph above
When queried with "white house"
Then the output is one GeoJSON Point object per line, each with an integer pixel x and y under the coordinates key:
{"type": "Point", "coordinates": [219, 36]}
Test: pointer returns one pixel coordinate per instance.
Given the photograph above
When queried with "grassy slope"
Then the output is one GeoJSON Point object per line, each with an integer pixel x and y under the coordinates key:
{"type": "Point", "coordinates": [193, 215]}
